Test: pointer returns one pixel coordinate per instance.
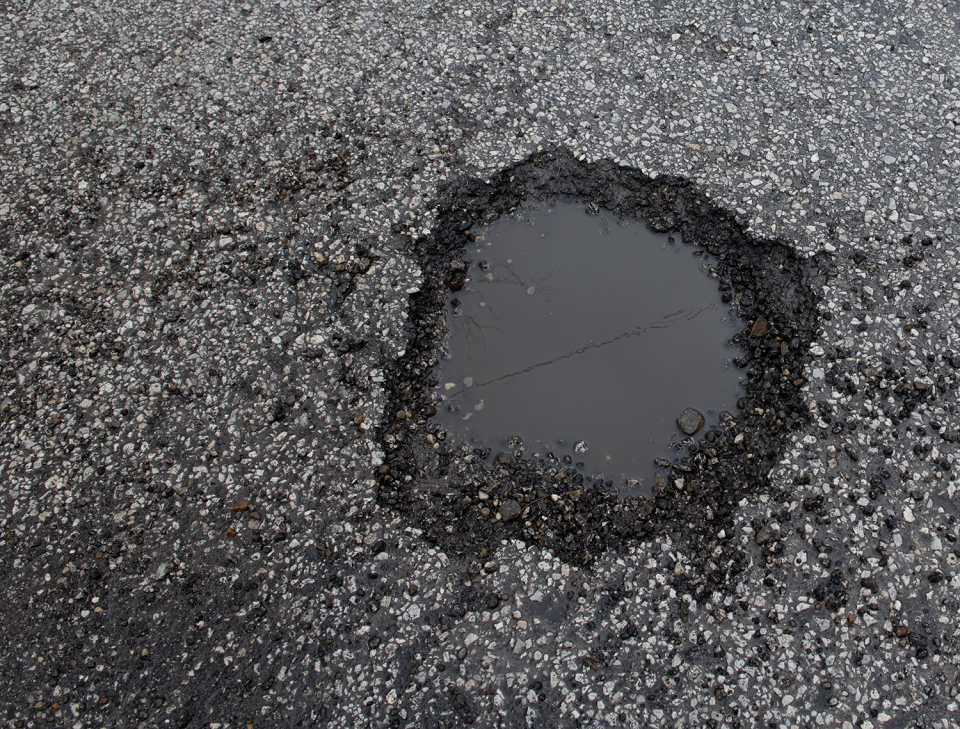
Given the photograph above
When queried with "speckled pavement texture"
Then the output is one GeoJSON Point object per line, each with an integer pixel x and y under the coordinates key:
{"type": "Point", "coordinates": [213, 218]}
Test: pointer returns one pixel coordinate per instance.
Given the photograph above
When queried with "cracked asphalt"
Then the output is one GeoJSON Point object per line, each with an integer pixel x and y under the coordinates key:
{"type": "Point", "coordinates": [214, 219]}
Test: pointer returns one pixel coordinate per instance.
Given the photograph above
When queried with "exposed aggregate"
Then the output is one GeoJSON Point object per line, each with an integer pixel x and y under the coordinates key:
{"type": "Point", "coordinates": [213, 219]}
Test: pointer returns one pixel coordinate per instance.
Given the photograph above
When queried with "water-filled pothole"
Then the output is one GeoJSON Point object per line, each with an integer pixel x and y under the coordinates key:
{"type": "Point", "coordinates": [458, 497]}
{"type": "Point", "coordinates": [585, 336]}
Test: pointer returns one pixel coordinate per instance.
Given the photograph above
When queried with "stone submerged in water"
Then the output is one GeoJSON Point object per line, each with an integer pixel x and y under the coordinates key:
{"type": "Point", "coordinates": [759, 328]}
{"type": "Point", "coordinates": [690, 421]}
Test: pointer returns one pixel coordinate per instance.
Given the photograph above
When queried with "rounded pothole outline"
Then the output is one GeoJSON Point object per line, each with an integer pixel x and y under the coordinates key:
{"type": "Point", "coordinates": [436, 485]}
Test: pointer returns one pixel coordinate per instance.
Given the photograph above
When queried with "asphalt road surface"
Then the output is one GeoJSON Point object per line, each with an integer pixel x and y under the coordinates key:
{"type": "Point", "coordinates": [216, 219]}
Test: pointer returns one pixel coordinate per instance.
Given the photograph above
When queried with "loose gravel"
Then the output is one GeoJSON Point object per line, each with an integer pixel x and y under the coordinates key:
{"type": "Point", "coordinates": [216, 221]}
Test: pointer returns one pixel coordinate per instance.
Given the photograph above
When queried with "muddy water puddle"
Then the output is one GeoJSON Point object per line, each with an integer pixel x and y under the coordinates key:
{"type": "Point", "coordinates": [585, 337]}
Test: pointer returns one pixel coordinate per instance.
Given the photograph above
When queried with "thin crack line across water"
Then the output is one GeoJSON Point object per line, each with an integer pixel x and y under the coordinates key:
{"type": "Point", "coordinates": [662, 324]}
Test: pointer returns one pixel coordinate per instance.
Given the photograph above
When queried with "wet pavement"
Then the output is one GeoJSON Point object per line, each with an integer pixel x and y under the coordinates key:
{"type": "Point", "coordinates": [227, 235]}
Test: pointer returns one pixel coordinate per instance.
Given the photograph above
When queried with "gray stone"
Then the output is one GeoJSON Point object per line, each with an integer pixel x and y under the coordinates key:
{"type": "Point", "coordinates": [690, 421]}
{"type": "Point", "coordinates": [509, 510]}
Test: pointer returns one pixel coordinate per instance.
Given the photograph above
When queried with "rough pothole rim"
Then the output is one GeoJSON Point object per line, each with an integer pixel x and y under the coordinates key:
{"type": "Point", "coordinates": [696, 513]}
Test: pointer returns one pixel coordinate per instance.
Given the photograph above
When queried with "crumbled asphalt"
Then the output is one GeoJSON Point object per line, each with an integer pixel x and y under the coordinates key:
{"type": "Point", "coordinates": [215, 221]}
{"type": "Point", "coordinates": [437, 481]}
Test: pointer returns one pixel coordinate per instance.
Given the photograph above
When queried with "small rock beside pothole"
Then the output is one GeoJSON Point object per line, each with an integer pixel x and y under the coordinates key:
{"type": "Point", "coordinates": [506, 459]}
{"type": "Point", "coordinates": [690, 421]}
{"type": "Point", "coordinates": [759, 328]}
{"type": "Point", "coordinates": [509, 510]}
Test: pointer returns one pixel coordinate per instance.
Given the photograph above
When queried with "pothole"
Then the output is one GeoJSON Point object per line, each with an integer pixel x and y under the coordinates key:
{"type": "Point", "coordinates": [467, 502]}
{"type": "Point", "coordinates": [582, 336]}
